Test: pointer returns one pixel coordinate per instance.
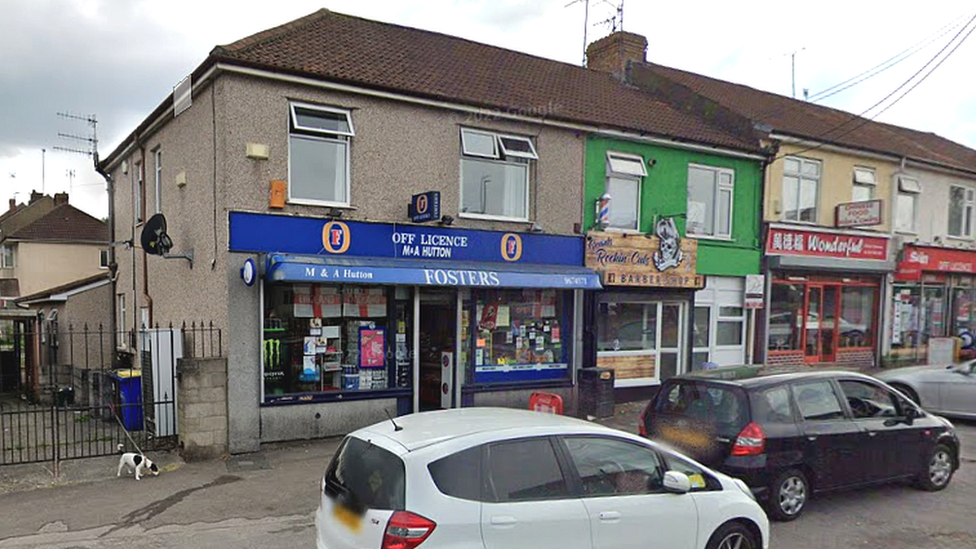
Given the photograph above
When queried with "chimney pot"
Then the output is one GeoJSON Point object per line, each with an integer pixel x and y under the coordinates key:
{"type": "Point", "coordinates": [612, 53]}
{"type": "Point", "coordinates": [35, 196]}
{"type": "Point", "coordinates": [60, 198]}
{"type": "Point", "coordinates": [13, 204]}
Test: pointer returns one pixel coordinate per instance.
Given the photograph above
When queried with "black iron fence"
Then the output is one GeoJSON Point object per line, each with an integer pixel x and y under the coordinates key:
{"type": "Point", "coordinates": [80, 392]}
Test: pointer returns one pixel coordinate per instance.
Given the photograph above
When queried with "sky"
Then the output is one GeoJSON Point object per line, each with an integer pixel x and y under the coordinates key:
{"type": "Point", "coordinates": [118, 59]}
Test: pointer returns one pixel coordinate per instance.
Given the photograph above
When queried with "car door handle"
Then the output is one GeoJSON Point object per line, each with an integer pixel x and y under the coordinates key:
{"type": "Point", "coordinates": [872, 433]}
{"type": "Point", "coordinates": [503, 520]}
{"type": "Point", "coordinates": [812, 438]}
{"type": "Point", "coordinates": [609, 516]}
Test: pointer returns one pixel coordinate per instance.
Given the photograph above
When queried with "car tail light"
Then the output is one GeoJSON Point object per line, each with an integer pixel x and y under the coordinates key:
{"type": "Point", "coordinates": [406, 530]}
{"type": "Point", "coordinates": [750, 442]}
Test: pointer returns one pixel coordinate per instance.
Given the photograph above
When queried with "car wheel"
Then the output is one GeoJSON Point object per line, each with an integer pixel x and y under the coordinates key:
{"type": "Point", "coordinates": [937, 471]}
{"type": "Point", "coordinates": [788, 495]}
{"type": "Point", "coordinates": [733, 535]}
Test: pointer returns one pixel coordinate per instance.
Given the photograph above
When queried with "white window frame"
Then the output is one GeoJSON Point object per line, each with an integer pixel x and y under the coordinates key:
{"type": "Point", "coordinates": [122, 341]}
{"type": "Point", "coordinates": [800, 176]}
{"type": "Point", "coordinates": [4, 264]}
{"type": "Point", "coordinates": [910, 187]}
{"type": "Point", "coordinates": [317, 134]}
{"type": "Point", "coordinates": [139, 194]}
{"type": "Point", "coordinates": [719, 318]}
{"type": "Point", "coordinates": [617, 168]}
{"type": "Point", "coordinates": [716, 214]}
{"type": "Point", "coordinates": [968, 210]}
{"type": "Point", "coordinates": [158, 167]}
{"type": "Point", "coordinates": [499, 155]}
{"type": "Point", "coordinates": [103, 259]}
{"type": "Point", "coordinates": [863, 178]}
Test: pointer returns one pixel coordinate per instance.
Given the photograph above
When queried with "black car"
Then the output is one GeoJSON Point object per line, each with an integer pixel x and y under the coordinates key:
{"type": "Point", "coordinates": [790, 435]}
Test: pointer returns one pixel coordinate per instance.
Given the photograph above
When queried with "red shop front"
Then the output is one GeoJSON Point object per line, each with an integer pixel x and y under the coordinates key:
{"type": "Point", "coordinates": [824, 294]}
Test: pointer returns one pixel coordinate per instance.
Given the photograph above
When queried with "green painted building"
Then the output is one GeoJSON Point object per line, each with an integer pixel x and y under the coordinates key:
{"type": "Point", "coordinates": [649, 328]}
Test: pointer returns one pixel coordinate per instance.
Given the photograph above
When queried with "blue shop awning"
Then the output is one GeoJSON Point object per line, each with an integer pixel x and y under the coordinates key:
{"type": "Point", "coordinates": [415, 272]}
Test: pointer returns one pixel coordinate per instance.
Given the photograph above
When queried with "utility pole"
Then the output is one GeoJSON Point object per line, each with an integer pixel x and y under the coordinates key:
{"type": "Point", "coordinates": [70, 172]}
{"type": "Point", "coordinates": [793, 69]}
{"type": "Point", "coordinates": [43, 169]}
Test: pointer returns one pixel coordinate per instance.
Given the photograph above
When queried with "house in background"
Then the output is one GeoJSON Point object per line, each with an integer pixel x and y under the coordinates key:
{"type": "Point", "coordinates": [48, 242]}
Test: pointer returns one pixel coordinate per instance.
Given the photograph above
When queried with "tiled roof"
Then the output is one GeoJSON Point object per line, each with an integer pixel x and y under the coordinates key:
{"type": "Point", "coordinates": [824, 124]}
{"type": "Point", "coordinates": [383, 56]}
{"type": "Point", "coordinates": [62, 288]}
{"type": "Point", "coordinates": [64, 223]}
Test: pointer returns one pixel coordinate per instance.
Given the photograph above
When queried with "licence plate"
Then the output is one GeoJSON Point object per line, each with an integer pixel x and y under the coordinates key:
{"type": "Point", "coordinates": [347, 518]}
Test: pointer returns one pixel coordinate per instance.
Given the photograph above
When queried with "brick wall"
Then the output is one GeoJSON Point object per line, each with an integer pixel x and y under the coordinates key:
{"type": "Point", "coordinates": [785, 359]}
{"type": "Point", "coordinates": [202, 407]}
{"type": "Point", "coordinates": [860, 359]}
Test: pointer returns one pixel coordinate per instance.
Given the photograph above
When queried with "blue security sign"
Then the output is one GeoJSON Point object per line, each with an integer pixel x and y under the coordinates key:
{"type": "Point", "coordinates": [256, 233]}
{"type": "Point", "coordinates": [425, 207]}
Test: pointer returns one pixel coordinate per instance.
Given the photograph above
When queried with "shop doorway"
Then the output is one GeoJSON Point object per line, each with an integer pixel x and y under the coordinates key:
{"type": "Point", "coordinates": [820, 338]}
{"type": "Point", "coordinates": [438, 339]}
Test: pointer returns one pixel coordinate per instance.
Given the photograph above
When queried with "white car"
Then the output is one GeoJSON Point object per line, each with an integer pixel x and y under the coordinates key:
{"type": "Point", "coordinates": [496, 478]}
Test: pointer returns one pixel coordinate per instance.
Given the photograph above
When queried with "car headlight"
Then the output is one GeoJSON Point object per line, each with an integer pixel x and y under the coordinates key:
{"type": "Point", "coordinates": [744, 487]}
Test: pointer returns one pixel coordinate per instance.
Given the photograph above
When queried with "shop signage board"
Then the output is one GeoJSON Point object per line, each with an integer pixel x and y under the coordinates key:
{"type": "Point", "coordinates": [789, 241]}
{"type": "Point", "coordinates": [638, 260]}
{"type": "Point", "coordinates": [255, 233]}
{"type": "Point", "coordinates": [859, 214]}
{"type": "Point", "coordinates": [755, 291]}
{"type": "Point", "coordinates": [425, 207]}
{"type": "Point", "coordinates": [918, 259]}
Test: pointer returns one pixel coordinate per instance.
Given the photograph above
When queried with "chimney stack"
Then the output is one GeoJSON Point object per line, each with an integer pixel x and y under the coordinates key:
{"type": "Point", "coordinates": [60, 198]}
{"type": "Point", "coordinates": [13, 204]}
{"type": "Point", "coordinates": [612, 53]}
{"type": "Point", "coordinates": [35, 196]}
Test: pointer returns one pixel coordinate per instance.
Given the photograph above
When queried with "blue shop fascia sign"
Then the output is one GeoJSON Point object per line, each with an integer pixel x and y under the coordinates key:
{"type": "Point", "coordinates": [264, 233]}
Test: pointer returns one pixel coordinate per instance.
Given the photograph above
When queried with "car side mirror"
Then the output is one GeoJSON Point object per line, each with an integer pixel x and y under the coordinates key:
{"type": "Point", "coordinates": [676, 482]}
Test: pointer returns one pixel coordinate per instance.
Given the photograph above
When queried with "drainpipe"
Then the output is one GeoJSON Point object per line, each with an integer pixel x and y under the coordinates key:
{"type": "Point", "coordinates": [112, 264]}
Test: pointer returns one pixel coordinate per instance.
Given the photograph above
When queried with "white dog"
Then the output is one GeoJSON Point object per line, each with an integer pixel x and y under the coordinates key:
{"type": "Point", "coordinates": [135, 462]}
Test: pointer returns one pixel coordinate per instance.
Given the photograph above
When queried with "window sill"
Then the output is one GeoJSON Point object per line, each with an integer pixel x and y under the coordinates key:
{"type": "Point", "coordinates": [486, 217]}
{"type": "Point", "coordinates": [633, 232]}
{"type": "Point", "coordinates": [960, 238]}
{"type": "Point", "coordinates": [709, 237]}
{"type": "Point", "coordinates": [322, 203]}
{"type": "Point", "coordinates": [334, 396]}
{"type": "Point", "coordinates": [906, 233]}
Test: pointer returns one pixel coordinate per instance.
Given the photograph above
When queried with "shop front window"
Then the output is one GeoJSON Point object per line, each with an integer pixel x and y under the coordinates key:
{"type": "Point", "coordinates": [516, 335]}
{"type": "Point", "coordinates": [321, 339]}
{"type": "Point", "coordinates": [641, 340]}
{"type": "Point", "coordinates": [963, 311]}
{"type": "Point", "coordinates": [857, 316]}
{"type": "Point", "coordinates": [785, 314]}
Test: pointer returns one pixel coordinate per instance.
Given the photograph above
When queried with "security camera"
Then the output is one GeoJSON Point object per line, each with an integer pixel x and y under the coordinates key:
{"type": "Point", "coordinates": [651, 162]}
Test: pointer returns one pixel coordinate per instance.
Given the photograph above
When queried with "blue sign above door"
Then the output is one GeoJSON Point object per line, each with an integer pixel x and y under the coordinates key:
{"type": "Point", "coordinates": [254, 233]}
{"type": "Point", "coordinates": [425, 207]}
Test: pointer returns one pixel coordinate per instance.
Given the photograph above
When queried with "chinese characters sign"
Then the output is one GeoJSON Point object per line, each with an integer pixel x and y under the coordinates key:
{"type": "Point", "coordinates": [634, 261]}
{"type": "Point", "coordinates": [782, 241]}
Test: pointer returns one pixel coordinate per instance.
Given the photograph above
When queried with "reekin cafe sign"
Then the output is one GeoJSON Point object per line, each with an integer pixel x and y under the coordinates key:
{"type": "Point", "coordinates": [665, 261]}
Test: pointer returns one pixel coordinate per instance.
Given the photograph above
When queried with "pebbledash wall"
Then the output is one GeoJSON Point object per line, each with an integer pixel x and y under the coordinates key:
{"type": "Point", "coordinates": [205, 175]}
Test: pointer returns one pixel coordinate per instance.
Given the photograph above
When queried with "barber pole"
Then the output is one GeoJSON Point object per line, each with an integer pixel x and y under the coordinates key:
{"type": "Point", "coordinates": [603, 211]}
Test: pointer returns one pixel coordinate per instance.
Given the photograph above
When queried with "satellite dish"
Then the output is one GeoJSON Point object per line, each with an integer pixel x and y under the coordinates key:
{"type": "Point", "coordinates": [154, 238]}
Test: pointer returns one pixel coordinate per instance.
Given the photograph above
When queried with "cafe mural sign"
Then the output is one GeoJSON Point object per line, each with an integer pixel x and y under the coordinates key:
{"type": "Point", "coordinates": [663, 261]}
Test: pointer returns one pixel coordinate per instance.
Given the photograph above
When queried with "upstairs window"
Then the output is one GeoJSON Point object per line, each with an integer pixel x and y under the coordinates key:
{"type": "Point", "coordinates": [103, 259]}
{"type": "Point", "coordinates": [318, 155]}
{"type": "Point", "coordinates": [801, 189]}
{"type": "Point", "coordinates": [158, 165]}
{"type": "Point", "coordinates": [7, 257]}
{"type": "Point", "coordinates": [961, 205]}
{"type": "Point", "coordinates": [906, 209]}
{"type": "Point", "coordinates": [624, 175]}
{"type": "Point", "coordinates": [495, 175]}
{"type": "Point", "coordinates": [139, 194]}
{"type": "Point", "coordinates": [710, 201]}
{"type": "Point", "coordinates": [864, 183]}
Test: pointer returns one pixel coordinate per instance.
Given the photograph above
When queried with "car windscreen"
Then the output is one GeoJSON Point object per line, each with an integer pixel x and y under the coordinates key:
{"type": "Point", "coordinates": [364, 476]}
{"type": "Point", "coordinates": [722, 407]}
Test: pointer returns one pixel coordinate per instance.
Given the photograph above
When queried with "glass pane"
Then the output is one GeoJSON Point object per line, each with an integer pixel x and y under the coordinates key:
{"type": "Point", "coordinates": [791, 165]}
{"type": "Point", "coordinates": [725, 178]}
{"type": "Point", "coordinates": [626, 165]}
{"type": "Point", "coordinates": [459, 474]}
{"type": "Point", "coordinates": [811, 168]}
{"type": "Point", "coordinates": [331, 122]}
{"type": "Point", "coordinates": [817, 401]}
{"type": "Point", "coordinates": [623, 327]}
{"type": "Point", "coordinates": [624, 197]}
{"type": "Point", "coordinates": [808, 200]}
{"type": "Point", "coordinates": [828, 323]}
{"type": "Point", "coordinates": [670, 325]}
{"type": "Point", "coordinates": [861, 193]}
{"type": "Point", "coordinates": [773, 406]}
{"type": "Point", "coordinates": [968, 221]}
{"type": "Point", "coordinates": [857, 317]}
{"type": "Point", "coordinates": [868, 400]}
{"type": "Point", "coordinates": [725, 212]}
{"type": "Point", "coordinates": [957, 207]}
{"type": "Point", "coordinates": [963, 310]}
{"type": "Point", "coordinates": [702, 324]}
{"type": "Point", "coordinates": [478, 143]}
{"type": "Point", "coordinates": [698, 359]}
{"type": "Point", "coordinates": [905, 210]}
{"type": "Point", "coordinates": [813, 323]}
{"type": "Point", "coordinates": [612, 467]}
{"type": "Point", "coordinates": [494, 188]}
{"type": "Point", "coordinates": [724, 409]}
{"type": "Point", "coordinates": [701, 201]}
{"type": "Point", "coordinates": [317, 169]}
{"type": "Point", "coordinates": [510, 480]}
{"type": "Point", "coordinates": [791, 198]}
{"type": "Point", "coordinates": [518, 327]}
{"type": "Point", "coordinates": [729, 333]}
{"type": "Point", "coordinates": [517, 146]}
{"type": "Point", "coordinates": [785, 311]}
{"type": "Point", "coordinates": [669, 365]}
{"type": "Point", "coordinates": [730, 311]}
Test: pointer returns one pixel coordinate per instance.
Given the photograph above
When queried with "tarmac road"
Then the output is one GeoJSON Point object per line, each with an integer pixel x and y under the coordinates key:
{"type": "Point", "coordinates": [266, 500]}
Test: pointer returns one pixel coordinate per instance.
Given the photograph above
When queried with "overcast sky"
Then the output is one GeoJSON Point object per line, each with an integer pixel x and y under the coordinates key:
{"type": "Point", "coordinates": [118, 59]}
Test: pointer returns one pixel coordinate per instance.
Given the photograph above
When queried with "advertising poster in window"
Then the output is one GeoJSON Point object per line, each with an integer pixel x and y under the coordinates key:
{"type": "Point", "coordinates": [372, 348]}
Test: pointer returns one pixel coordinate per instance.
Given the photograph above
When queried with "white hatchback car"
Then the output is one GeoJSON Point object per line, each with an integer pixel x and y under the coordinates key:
{"type": "Point", "coordinates": [496, 478]}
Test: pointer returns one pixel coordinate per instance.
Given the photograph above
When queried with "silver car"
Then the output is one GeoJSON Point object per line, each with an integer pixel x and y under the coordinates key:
{"type": "Point", "coordinates": [944, 390]}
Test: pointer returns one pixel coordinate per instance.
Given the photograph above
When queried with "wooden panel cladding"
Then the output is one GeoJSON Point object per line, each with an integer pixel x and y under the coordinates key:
{"type": "Point", "coordinates": [628, 367]}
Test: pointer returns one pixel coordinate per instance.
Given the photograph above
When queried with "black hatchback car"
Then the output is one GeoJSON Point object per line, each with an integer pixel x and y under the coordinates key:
{"type": "Point", "coordinates": [790, 435]}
